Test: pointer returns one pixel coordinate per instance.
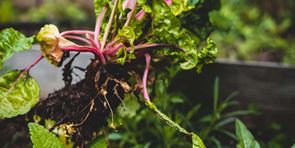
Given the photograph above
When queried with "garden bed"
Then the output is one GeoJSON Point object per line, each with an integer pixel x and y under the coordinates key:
{"type": "Point", "coordinates": [269, 87]}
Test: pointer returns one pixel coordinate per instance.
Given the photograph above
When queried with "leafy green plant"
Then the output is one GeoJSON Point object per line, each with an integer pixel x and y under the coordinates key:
{"type": "Point", "coordinates": [244, 31]}
{"type": "Point", "coordinates": [214, 132]}
{"type": "Point", "coordinates": [49, 11]}
{"type": "Point", "coordinates": [127, 34]}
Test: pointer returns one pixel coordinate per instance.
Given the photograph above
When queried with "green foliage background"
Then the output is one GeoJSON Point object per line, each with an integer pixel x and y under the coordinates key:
{"type": "Point", "coordinates": [255, 30]}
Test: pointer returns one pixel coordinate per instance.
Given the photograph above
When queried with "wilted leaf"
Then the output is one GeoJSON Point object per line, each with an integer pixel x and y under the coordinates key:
{"type": "Point", "coordinates": [17, 97]}
{"type": "Point", "coordinates": [12, 41]}
{"type": "Point", "coordinates": [52, 43]}
{"type": "Point", "coordinates": [42, 138]}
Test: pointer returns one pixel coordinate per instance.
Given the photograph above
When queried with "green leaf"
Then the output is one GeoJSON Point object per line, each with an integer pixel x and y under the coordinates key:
{"type": "Point", "coordinates": [114, 136]}
{"type": "Point", "coordinates": [293, 146]}
{"type": "Point", "coordinates": [246, 139]}
{"type": "Point", "coordinates": [42, 138]}
{"type": "Point", "coordinates": [207, 55]}
{"type": "Point", "coordinates": [216, 93]}
{"type": "Point", "coordinates": [126, 34]}
{"type": "Point", "coordinates": [12, 41]}
{"type": "Point", "coordinates": [180, 6]}
{"type": "Point", "coordinates": [193, 2]}
{"type": "Point", "coordinates": [196, 140]}
{"type": "Point", "coordinates": [99, 142]}
{"type": "Point", "coordinates": [129, 108]}
{"type": "Point", "coordinates": [17, 94]}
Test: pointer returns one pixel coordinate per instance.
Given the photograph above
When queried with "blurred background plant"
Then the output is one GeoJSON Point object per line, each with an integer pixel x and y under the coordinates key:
{"type": "Point", "coordinates": [73, 11]}
{"type": "Point", "coordinates": [255, 30]}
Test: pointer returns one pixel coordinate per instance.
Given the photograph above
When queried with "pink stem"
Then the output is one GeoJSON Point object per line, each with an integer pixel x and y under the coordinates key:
{"type": "Point", "coordinates": [168, 2]}
{"type": "Point", "coordinates": [109, 25]}
{"type": "Point", "coordinates": [98, 26]}
{"type": "Point", "coordinates": [141, 46]}
{"type": "Point", "coordinates": [114, 49]}
{"type": "Point", "coordinates": [86, 49]}
{"type": "Point", "coordinates": [77, 32]}
{"type": "Point", "coordinates": [90, 39]}
{"type": "Point", "coordinates": [140, 14]}
{"type": "Point", "coordinates": [77, 38]}
{"type": "Point", "coordinates": [34, 63]}
{"type": "Point", "coordinates": [24, 71]}
{"type": "Point", "coordinates": [110, 44]}
{"type": "Point", "coordinates": [149, 45]}
{"type": "Point", "coordinates": [29, 67]}
{"type": "Point", "coordinates": [145, 75]}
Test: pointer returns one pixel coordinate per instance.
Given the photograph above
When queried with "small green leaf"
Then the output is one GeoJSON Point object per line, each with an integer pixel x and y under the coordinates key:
{"type": "Point", "coordinates": [246, 139]}
{"type": "Point", "coordinates": [99, 142]}
{"type": "Point", "coordinates": [42, 138]}
{"type": "Point", "coordinates": [127, 34]}
{"type": "Point", "coordinates": [12, 41]}
{"type": "Point", "coordinates": [17, 95]}
{"type": "Point", "coordinates": [293, 146]}
{"type": "Point", "coordinates": [114, 136]}
{"type": "Point", "coordinates": [180, 6]}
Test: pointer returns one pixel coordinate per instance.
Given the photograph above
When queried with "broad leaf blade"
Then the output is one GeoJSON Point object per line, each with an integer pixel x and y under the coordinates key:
{"type": "Point", "coordinates": [42, 138]}
{"type": "Point", "coordinates": [17, 97]}
{"type": "Point", "coordinates": [246, 139]}
{"type": "Point", "coordinates": [12, 41]}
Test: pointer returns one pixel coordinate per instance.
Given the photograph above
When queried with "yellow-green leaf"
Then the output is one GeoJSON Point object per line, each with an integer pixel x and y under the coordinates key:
{"type": "Point", "coordinates": [17, 95]}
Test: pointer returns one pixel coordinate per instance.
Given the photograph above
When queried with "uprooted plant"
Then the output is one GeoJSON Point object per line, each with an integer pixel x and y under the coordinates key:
{"type": "Point", "coordinates": [130, 38]}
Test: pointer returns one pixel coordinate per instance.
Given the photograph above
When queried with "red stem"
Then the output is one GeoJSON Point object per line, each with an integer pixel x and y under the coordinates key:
{"type": "Point", "coordinates": [34, 63]}
{"type": "Point", "coordinates": [77, 32]}
{"type": "Point", "coordinates": [86, 49]}
{"type": "Point", "coordinates": [90, 39]}
{"type": "Point", "coordinates": [29, 67]}
{"type": "Point", "coordinates": [77, 38]}
{"type": "Point", "coordinates": [145, 75]}
{"type": "Point", "coordinates": [98, 26]}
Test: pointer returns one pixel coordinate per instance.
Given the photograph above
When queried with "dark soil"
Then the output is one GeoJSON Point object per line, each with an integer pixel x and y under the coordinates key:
{"type": "Point", "coordinates": [80, 109]}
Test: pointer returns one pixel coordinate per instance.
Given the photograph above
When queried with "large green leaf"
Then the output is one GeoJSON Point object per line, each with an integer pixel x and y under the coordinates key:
{"type": "Point", "coordinates": [12, 41]}
{"type": "Point", "coordinates": [17, 95]}
{"type": "Point", "coordinates": [246, 139]}
{"type": "Point", "coordinates": [42, 138]}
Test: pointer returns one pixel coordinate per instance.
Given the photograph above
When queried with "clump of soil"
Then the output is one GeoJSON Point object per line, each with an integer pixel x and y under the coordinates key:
{"type": "Point", "coordinates": [80, 110]}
